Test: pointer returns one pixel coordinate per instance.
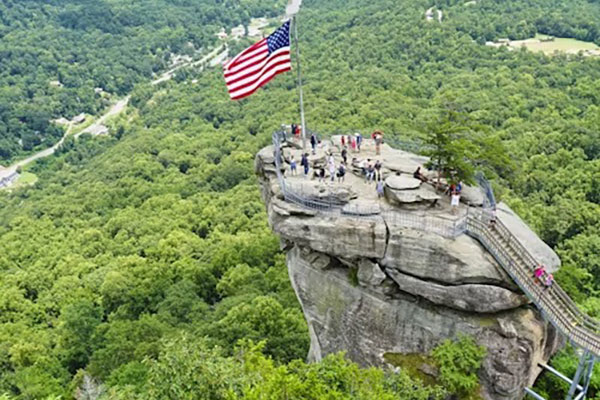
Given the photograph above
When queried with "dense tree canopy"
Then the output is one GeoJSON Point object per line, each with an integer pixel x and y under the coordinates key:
{"type": "Point", "coordinates": [130, 245]}
{"type": "Point", "coordinates": [55, 53]}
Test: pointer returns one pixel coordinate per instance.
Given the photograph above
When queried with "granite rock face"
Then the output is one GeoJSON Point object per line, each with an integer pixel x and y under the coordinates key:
{"type": "Point", "coordinates": [370, 286]}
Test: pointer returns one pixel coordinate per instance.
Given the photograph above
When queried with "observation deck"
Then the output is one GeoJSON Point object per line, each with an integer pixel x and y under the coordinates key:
{"type": "Point", "coordinates": [413, 204]}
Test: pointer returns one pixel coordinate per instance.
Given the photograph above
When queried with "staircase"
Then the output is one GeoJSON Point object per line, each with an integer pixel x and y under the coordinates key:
{"type": "Point", "coordinates": [556, 306]}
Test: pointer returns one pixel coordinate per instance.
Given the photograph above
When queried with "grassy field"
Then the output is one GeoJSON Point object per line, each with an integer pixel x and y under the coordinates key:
{"type": "Point", "coordinates": [571, 46]}
{"type": "Point", "coordinates": [25, 179]}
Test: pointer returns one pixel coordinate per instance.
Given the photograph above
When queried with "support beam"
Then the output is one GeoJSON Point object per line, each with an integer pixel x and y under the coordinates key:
{"type": "Point", "coordinates": [581, 367]}
{"type": "Point", "coordinates": [534, 394]}
{"type": "Point", "coordinates": [559, 375]}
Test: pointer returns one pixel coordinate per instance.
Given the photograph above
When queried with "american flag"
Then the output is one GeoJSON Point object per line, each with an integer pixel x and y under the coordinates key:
{"type": "Point", "coordinates": [259, 63]}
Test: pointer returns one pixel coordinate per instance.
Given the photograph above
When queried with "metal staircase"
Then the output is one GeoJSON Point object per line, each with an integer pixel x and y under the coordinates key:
{"type": "Point", "coordinates": [555, 305]}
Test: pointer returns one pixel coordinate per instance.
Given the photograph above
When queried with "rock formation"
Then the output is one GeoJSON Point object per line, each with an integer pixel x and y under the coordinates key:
{"type": "Point", "coordinates": [375, 285]}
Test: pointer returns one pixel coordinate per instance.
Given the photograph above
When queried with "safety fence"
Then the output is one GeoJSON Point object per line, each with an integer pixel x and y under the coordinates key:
{"type": "Point", "coordinates": [450, 228]}
{"type": "Point", "coordinates": [481, 224]}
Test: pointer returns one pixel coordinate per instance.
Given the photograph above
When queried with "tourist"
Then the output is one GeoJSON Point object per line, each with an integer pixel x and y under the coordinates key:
{"type": "Point", "coordinates": [341, 174]}
{"type": "Point", "coordinates": [378, 138]}
{"type": "Point", "coordinates": [343, 141]}
{"type": "Point", "coordinates": [321, 174]}
{"type": "Point", "coordinates": [305, 164]}
{"type": "Point", "coordinates": [358, 141]}
{"type": "Point", "coordinates": [313, 143]}
{"type": "Point", "coordinates": [345, 156]}
{"type": "Point", "coordinates": [349, 140]}
{"type": "Point", "coordinates": [378, 166]}
{"type": "Point", "coordinates": [370, 172]}
{"type": "Point", "coordinates": [353, 145]}
{"type": "Point", "coordinates": [379, 188]}
{"type": "Point", "coordinates": [418, 175]}
{"type": "Point", "coordinates": [455, 202]}
{"type": "Point", "coordinates": [459, 187]}
{"type": "Point", "coordinates": [539, 272]}
{"type": "Point", "coordinates": [493, 217]}
{"type": "Point", "coordinates": [549, 282]}
{"type": "Point", "coordinates": [331, 164]}
{"type": "Point", "coordinates": [293, 166]}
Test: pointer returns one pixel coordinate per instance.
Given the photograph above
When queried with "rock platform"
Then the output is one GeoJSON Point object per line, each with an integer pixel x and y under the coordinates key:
{"type": "Point", "coordinates": [388, 282]}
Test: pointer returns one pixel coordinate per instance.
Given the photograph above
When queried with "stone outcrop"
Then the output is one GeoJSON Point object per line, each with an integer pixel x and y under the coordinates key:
{"type": "Point", "coordinates": [370, 286]}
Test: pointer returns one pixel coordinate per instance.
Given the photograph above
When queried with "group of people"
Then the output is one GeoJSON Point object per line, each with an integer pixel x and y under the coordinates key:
{"type": "Point", "coordinates": [354, 142]}
{"type": "Point", "coordinates": [543, 277]}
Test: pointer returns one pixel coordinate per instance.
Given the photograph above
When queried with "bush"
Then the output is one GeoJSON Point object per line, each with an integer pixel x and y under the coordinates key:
{"type": "Point", "coordinates": [458, 362]}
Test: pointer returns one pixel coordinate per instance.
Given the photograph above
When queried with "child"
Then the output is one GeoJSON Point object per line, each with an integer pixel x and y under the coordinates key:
{"type": "Point", "coordinates": [293, 166]}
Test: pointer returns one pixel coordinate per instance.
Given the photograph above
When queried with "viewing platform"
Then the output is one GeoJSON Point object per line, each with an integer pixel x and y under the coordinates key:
{"type": "Point", "coordinates": [423, 268]}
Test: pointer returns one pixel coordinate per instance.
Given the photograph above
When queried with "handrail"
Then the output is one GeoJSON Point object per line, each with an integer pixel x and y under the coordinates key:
{"type": "Point", "coordinates": [554, 303]}
{"type": "Point", "coordinates": [496, 237]}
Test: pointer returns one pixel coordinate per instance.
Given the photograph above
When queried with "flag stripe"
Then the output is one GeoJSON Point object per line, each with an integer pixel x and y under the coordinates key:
{"type": "Point", "coordinates": [255, 77]}
{"type": "Point", "coordinates": [247, 63]}
{"type": "Point", "coordinates": [263, 49]}
{"type": "Point", "coordinates": [236, 59]}
{"type": "Point", "coordinates": [264, 79]}
{"type": "Point", "coordinates": [279, 54]}
{"type": "Point", "coordinates": [259, 63]}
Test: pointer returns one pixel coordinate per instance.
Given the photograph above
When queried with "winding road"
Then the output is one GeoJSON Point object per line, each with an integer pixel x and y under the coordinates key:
{"type": "Point", "coordinates": [214, 57]}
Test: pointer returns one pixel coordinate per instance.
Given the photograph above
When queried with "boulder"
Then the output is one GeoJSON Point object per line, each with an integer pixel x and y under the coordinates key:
{"type": "Point", "coordinates": [402, 182]}
{"type": "Point", "coordinates": [323, 192]}
{"type": "Point", "coordinates": [448, 261]}
{"type": "Point", "coordinates": [532, 242]}
{"type": "Point", "coordinates": [340, 237]}
{"type": "Point", "coordinates": [475, 298]}
{"type": "Point", "coordinates": [369, 273]}
{"type": "Point", "coordinates": [472, 195]}
{"type": "Point", "coordinates": [361, 208]}
{"type": "Point", "coordinates": [399, 197]}
{"type": "Point", "coordinates": [367, 325]}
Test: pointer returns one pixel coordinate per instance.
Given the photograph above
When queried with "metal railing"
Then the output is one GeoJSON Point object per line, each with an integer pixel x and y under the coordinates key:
{"type": "Point", "coordinates": [554, 304]}
{"type": "Point", "coordinates": [450, 228]}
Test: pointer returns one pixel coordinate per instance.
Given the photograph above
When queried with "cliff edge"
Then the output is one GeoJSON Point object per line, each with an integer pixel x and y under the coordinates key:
{"type": "Point", "coordinates": [381, 276]}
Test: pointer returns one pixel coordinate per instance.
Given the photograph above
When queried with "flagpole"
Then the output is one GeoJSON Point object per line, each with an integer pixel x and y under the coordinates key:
{"type": "Point", "coordinates": [302, 120]}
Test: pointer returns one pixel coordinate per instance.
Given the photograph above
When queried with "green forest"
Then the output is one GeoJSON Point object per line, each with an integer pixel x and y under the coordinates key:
{"type": "Point", "coordinates": [88, 44]}
{"type": "Point", "coordinates": [141, 265]}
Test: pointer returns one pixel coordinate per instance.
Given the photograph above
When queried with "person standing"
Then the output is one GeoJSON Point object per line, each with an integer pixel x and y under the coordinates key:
{"type": "Point", "coordinates": [455, 202]}
{"type": "Point", "coordinates": [379, 188]}
{"type": "Point", "coordinates": [358, 141]}
{"type": "Point", "coordinates": [343, 141]}
{"type": "Point", "coordinates": [293, 166]}
{"type": "Point", "coordinates": [313, 143]}
{"type": "Point", "coordinates": [378, 137]}
{"type": "Point", "coordinates": [304, 163]}
{"type": "Point", "coordinates": [345, 156]}
{"type": "Point", "coordinates": [378, 166]}
{"type": "Point", "coordinates": [331, 164]}
{"type": "Point", "coordinates": [341, 174]}
{"type": "Point", "coordinates": [370, 172]}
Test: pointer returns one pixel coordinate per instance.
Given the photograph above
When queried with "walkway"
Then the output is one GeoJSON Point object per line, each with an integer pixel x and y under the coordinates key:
{"type": "Point", "coordinates": [556, 306]}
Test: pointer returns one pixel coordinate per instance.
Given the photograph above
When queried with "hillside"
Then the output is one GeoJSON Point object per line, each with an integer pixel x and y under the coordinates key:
{"type": "Point", "coordinates": [135, 254]}
{"type": "Point", "coordinates": [57, 55]}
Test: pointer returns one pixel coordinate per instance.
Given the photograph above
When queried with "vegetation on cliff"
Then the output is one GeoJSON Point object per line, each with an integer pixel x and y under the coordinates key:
{"type": "Point", "coordinates": [129, 246]}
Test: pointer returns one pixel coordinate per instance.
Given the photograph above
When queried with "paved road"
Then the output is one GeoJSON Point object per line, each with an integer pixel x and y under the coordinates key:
{"type": "Point", "coordinates": [114, 110]}
{"type": "Point", "coordinates": [214, 57]}
{"type": "Point", "coordinates": [218, 53]}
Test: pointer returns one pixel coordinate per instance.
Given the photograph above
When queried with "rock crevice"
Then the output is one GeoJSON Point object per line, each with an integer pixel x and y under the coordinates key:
{"type": "Point", "coordinates": [368, 286]}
